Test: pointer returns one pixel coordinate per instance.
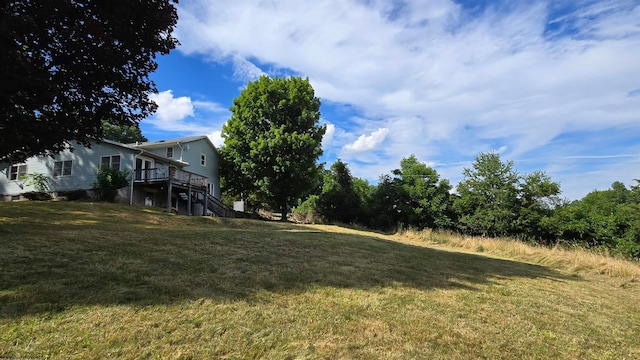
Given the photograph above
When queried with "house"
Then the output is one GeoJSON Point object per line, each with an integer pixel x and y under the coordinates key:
{"type": "Point", "coordinates": [181, 175]}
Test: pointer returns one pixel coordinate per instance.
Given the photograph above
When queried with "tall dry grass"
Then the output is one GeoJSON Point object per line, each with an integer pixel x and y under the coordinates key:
{"type": "Point", "coordinates": [574, 260]}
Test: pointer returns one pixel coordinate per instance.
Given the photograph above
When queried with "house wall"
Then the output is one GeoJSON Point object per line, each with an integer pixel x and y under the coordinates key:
{"type": "Point", "coordinates": [190, 153]}
{"type": "Point", "coordinates": [211, 168]}
{"type": "Point", "coordinates": [84, 161]}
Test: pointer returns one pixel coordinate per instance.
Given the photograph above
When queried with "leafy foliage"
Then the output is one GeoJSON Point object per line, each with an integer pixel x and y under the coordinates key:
{"type": "Point", "coordinates": [39, 181]}
{"type": "Point", "coordinates": [272, 142]}
{"type": "Point", "coordinates": [339, 200]}
{"type": "Point", "coordinates": [307, 211]}
{"type": "Point", "coordinates": [383, 204]}
{"type": "Point", "coordinates": [607, 219]}
{"type": "Point", "coordinates": [66, 64]}
{"type": "Point", "coordinates": [494, 200]}
{"type": "Point", "coordinates": [124, 134]}
{"type": "Point", "coordinates": [538, 196]}
{"type": "Point", "coordinates": [413, 195]}
{"type": "Point", "coordinates": [108, 182]}
{"type": "Point", "coordinates": [424, 200]}
{"type": "Point", "coordinates": [488, 197]}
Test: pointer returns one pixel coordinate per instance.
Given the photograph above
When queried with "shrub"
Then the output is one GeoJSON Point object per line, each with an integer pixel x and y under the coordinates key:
{"type": "Point", "coordinates": [108, 181]}
{"type": "Point", "coordinates": [74, 195]}
{"type": "Point", "coordinates": [39, 181]}
{"type": "Point", "coordinates": [307, 211]}
{"type": "Point", "coordinates": [37, 196]}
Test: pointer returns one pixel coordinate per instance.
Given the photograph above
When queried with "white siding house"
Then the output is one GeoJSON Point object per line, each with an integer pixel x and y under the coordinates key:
{"type": "Point", "coordinates": [180, 175]}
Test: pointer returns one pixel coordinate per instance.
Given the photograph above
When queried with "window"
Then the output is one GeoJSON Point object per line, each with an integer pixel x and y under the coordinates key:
{"type": "Point", "coordinates": [203, 160]}
{"type": "Point", "coordinates": [62, 168]}
{"type": "Point", "coordinates": [170, 152]}
{"type": "Point", "coordinates": [112, 161]}
{"type": "Point", "coordinates": [18, 171]}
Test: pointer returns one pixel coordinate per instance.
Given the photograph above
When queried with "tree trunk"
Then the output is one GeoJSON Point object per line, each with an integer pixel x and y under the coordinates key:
{"type": "Point", "coordinates": [283, 210]}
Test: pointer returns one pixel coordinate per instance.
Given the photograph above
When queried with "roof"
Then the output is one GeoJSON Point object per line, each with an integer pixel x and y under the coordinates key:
{"type": "Point", "coordinates": [143, 147]}
{"type": "Point", "coordinates": [172, 142]}
{"type": "Point", "coordinates": [162, 143]}
{"type": "Point", "coordinates": [141, 151]}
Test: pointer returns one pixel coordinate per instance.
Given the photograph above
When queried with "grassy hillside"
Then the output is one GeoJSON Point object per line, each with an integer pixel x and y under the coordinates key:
{"type": "Point", "coordinates": [81, 280]}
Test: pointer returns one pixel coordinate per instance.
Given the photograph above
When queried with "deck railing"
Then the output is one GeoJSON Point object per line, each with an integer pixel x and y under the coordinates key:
{"type": "Point", "coordinates": [151, 174]}
{"type": "Point", "coordinates": [176, 175]}
{"type": "Point", "coordinates": [188, 178]}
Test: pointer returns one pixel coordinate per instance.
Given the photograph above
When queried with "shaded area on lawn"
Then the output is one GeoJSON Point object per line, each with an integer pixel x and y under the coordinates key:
{"type": "Point", "coordinates": [61, 256]}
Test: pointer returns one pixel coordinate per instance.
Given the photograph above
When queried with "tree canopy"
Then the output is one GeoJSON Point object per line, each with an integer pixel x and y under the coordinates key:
{"type": "Point", "coordinates": [488, 196]}
{"type": "Point", "coordinates": [494, 200]}
{"type": "Point", "coordinates": [424, 197]}
{"type": "Point", "coordinates": [603, 218]}
{"type": "Point", "coordinates": [413, 195]}
{"type": "Point", "coordinates": [339, 200]}
{"type": "Point", "coordinates": [272, 141]}
{"type": "Point", "coordinates": [67, 64]}
{"type": "Point", "coordinates": [122, 133]}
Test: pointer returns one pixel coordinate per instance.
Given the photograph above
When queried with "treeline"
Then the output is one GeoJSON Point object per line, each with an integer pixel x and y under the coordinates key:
{"type": "Point", "coordinates": [273, 141]}
{"type": "Point", "coordinates": [493, 200]}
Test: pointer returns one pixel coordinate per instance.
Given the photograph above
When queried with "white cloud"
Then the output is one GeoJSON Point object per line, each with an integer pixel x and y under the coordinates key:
{"type": "Point", "coordinates": [185, 116]}
{"type": "Point", "coordinates": [244, 70]}
{"type": "Point", "coordinates": [209, 106]}
{"type": "Point", "coordinates": [216, 138]}
{"type": "Point", "coordinates": [368, 143]}
{"type": "Point", "coordinates": [328, 135]}
{"type": "Point", "coordinates": [171, 108]}
{"type": "Point", "coordinates": [444, 82]}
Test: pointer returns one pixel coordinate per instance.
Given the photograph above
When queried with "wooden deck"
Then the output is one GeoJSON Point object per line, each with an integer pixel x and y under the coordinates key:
{"type": "Point", "coordinates": [183, 184]}
{"type": "Point", "coordinates": [174, 175]}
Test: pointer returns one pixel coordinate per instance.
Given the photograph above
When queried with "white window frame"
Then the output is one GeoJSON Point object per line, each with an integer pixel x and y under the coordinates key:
{"type": "Point", "coordinates": [60, 168]}
{"type": "Point", "coordinates": [170, 152]}
{"type": "Point", "coordinates": [203, 160]}
{"type": "Point", "coordinates": [20, 171]}
{"type": "Point", "coordinates": [110, 162]}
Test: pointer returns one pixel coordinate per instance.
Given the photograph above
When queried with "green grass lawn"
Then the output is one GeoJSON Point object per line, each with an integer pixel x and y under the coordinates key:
{"type": "Point", "coordinates": [95, 281]}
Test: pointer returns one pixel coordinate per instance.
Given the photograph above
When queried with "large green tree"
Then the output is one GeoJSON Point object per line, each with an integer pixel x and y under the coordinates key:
{"type": "Point", "coordinates": [538, 197]}
{"type": "Point", "coordinates": [488, 197]}
{"type": "Point", "coordinates": [67, 64]}
{"type": "Point", "coordinates": [272, 141]}
{"type": "Point", "coordinates": [494, 200]}
{"type": "Point", "coordinates": [424, 200]}
{"type": "Point", "coordinates": [414, 195]}
{"type": "Point", "coordinates": [383, 204]}
{"type": "Point", "coordinates": [339, 200]}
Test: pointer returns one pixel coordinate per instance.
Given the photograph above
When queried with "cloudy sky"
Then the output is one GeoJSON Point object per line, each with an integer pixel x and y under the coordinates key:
{"type": "Point", "coordinates": [552, 85]}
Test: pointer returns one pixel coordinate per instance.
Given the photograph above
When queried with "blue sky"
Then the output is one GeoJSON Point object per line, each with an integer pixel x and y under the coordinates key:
{"type": "Point", "coordinates": [551, 85]}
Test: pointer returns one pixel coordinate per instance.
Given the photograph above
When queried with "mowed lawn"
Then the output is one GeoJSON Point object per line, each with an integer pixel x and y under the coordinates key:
{"type": "Point", "coordinates": [94, 281]}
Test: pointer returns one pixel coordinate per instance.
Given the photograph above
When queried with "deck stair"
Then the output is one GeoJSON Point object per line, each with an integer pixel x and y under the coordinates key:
{"type": "Point", "coordinates": [217, 208]}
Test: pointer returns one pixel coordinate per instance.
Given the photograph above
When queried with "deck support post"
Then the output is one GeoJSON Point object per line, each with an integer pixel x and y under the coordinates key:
{"type": "Point", "coordinates": [189, 212]}
{"type": "Point", "coordinates": [169, 196]}
{"type": "Point", "coordinates": [206, 204]}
